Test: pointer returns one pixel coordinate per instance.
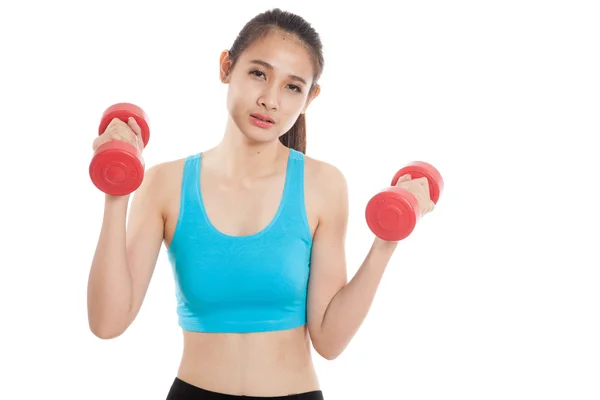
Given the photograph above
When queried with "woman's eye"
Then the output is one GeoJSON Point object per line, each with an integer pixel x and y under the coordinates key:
{"type": "Point", "coordinates": [261, 74]}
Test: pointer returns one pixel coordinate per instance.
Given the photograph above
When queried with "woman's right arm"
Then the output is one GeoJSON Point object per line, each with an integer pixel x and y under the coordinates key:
{"type": "Point", "coordinates": [125, 257]}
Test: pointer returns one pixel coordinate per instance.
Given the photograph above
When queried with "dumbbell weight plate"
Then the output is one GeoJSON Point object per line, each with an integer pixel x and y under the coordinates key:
{"type": "Point", "coordinates": [392, 214]}
{"type": "Point", "coordinates": [117, 168]}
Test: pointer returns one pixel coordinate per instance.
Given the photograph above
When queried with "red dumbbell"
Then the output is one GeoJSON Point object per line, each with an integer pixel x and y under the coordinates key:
{"type": "Point", "coordinates": [393, 213]}
{"type": "Point", "coordinates": [117, 167]}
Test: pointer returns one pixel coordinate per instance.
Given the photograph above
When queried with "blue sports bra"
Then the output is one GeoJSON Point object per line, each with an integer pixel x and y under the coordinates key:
{"type": "Point", "coordinates": [239, 284]}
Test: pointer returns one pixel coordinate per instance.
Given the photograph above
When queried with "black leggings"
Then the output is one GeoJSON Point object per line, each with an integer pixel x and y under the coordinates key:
{"type": "Point", "coordinates": [181, 390]}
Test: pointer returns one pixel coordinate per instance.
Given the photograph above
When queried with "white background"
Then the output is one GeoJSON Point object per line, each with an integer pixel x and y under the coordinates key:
{"type": "Point", "coordinates": [495, 295]}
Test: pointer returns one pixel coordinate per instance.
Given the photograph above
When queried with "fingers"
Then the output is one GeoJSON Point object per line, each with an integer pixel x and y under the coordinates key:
{"type": "Point", "coordinates": [426, 205]}
{"type": "Point", "coordinates": [134, 126]}
{"type": "Point", "coordinates": [132, 123]}
{"type": "Point", "coordinates": [431, 206]}
{"type": "Point", "coordinates": [419, 187]}
{"type": "Point", "coordinates": [114, 123]}
{"type": "Point", "coordinates": [119, 130]}
{"type": "Point", "coordinates": [424, 183]}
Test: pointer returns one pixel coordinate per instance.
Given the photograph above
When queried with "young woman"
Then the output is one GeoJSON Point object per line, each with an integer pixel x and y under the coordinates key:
{"type": "Point", "coordinates": [255, 232]}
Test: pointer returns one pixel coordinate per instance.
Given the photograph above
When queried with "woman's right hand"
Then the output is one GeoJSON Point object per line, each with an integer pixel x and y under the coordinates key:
{"type": "Point", "coordinates": [129, 132]}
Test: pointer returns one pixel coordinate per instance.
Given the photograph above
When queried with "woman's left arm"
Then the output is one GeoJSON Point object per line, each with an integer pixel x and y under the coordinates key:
{"type": "Point", "coordinates": [336, 307]}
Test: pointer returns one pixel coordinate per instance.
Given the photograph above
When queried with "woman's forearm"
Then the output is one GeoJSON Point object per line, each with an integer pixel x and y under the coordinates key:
{"type": "Point", "coordinates": [349, 307]}
{"type": "Point", "coordinates": [110, 285]}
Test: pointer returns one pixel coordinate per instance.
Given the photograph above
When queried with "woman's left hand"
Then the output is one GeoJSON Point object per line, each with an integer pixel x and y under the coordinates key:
{"type": "Point", "coordinates": [419, 187]}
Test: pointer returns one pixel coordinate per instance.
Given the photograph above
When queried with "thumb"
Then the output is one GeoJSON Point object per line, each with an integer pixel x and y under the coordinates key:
{"type": "Point", "coordinates": [403, 178]}
{"type": "Point", "coordinates": [134, 126]}
{"type": "Point", "coordinates": [132, 123]}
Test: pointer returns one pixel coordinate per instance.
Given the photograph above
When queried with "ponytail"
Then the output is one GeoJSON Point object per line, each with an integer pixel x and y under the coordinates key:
{"type": "Point", "coordinates": [295, 138]}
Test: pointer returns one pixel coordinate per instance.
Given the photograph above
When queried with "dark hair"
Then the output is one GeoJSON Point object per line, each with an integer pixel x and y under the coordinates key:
{"type": "Point", "coordinates": [259, 27]}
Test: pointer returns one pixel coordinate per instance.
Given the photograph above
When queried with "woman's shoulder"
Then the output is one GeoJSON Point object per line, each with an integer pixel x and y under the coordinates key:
{"type": "Point", "coordinates": [325, 184]}
{"type": "Point", "coordinates": [172, 167]}
{"type": "Point", "coordinates": [321, 174]}
{"type": "Point", "coordinates": [163, 175]}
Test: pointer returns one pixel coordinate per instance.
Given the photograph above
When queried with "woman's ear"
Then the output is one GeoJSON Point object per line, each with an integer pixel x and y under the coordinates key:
{"type": "Point", "coordinates": [311, 96]}
{"type": "Point", "coordinates": [224, 66]}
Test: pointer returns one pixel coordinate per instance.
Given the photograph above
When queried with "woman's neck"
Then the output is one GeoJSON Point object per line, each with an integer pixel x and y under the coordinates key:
{"type": "Point", "coordinates": [237, 157]}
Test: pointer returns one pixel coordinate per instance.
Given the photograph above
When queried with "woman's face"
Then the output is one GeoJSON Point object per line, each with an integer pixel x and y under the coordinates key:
{"type": "Point", "coordinates": [270, 81]}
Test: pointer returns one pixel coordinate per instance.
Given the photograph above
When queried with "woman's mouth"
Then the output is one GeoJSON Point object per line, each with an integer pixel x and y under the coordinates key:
{"type": "Point", "coordinates": [262, 121]}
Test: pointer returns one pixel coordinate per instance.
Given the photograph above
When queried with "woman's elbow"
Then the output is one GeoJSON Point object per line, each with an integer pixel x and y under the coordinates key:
{"type": "Point", "coordinates": [104, 330]}
{"type": "Point", "coordinates": [328, 351]}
